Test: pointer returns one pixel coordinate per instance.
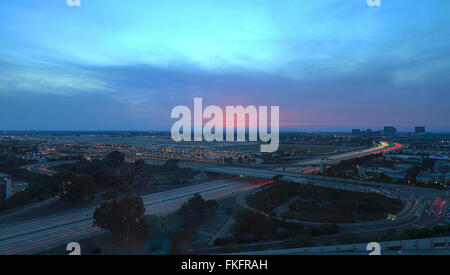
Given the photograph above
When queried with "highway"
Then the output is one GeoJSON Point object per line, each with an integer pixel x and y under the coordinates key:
{"type": "Point", "coordinates": [396, 190]}
{"type": "Point", "coordinates": [40, 234]}
{"type": "Point", "coordinates": [305, 166]}
{"type": "Point", "coordinates": [382, 147]}
{"type": "Point", "coordinates": [43, 233]}
{"type": "Point", "coordinates": [416, 198]}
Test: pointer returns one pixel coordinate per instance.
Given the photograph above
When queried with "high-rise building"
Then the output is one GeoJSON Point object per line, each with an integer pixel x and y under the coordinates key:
{"type": "Point", "coordinates": [356, 132]}
{"type": "Point", "coordinates": [5, 186]}
{"type": "Point", "coordinates": [419, 130]}
{"type": "Point", "coordinates": [366, 133]}
{"type": "Point", "coordinates": [389, 131]}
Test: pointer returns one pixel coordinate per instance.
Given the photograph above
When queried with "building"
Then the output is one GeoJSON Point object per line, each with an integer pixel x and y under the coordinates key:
{"type": "Point", "coordinates": [5, 186]}
{"type": "Point", "coordinates": [389, 131]}
{"type": "Point", "coordinates": [18, 186]}
{"type": "Point", "coordinates": [368, 133]}
{"type": "Point", "coordinates": [420, 130]}
{"type": "Point", "coordinates": [393, 173]}
{"type": "Point", "coordinates": [356, 132]}
{"type": "Point", "coordinates": [22, 149]}
{"type": "Point", "coordinates": [433, 177]}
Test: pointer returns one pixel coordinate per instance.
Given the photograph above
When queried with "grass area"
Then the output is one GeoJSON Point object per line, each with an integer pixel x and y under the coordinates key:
{"type": "Point", "coordinates": [315, 149]}
{"type": "Point", "coordinates": [252, 227]}
{"type": "Point", "coordinates": [290, 148]}
{"type": "Point", "coordinates": [243, 147]}
{"type": "Point", "coordinates": [321, 204]}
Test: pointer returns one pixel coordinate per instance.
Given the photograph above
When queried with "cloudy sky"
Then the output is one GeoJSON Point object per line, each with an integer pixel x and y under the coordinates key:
{"type": "Point", "coordinates": [328, 64]}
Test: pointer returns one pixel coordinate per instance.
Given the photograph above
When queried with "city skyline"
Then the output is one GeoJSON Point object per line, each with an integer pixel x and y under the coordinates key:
{"type": "Point", "coordinates": [329, 66]}
{"type": "Point", "coordinates": [285, 130]}
{"type": "Point", "coordinates": [232, 128]}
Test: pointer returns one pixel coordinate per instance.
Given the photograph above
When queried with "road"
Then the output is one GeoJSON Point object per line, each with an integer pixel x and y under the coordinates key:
{"type": "Point", "coordinates": [382, 147]}
{"type": "Point", "coordinates": [306, 166]}
{"type": "Point", "coordinates": [44, 233]}
{"type": "Point", "coordinates": [415, 197]}
{"type": "Point", "coordinates": [43, 167]}
{"type": "Point", "coordinates": [401, 191]}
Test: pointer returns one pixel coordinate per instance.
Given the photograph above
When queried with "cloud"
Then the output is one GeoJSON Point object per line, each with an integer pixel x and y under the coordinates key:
{"type": "Point", "coordinates": [48, 78]}
{"type": "Point", "coordinates": [326, 64]}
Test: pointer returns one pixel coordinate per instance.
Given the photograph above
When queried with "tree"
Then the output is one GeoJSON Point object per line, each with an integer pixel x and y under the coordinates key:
{"type": "Point", "coordinates": [60, 183]}
{"type": "Point", "coordinates": [142, 173]}
{"type": "Point", "coordinates": [139, 164]}
{"type": "Point", "coordinates": [142, 177]}
{"type": "Point", "coordinates": [124, 218]}
{"type": "Point", "coordinates": [194, 211]}
{"type": "Point", "coordinates": [116, 158]}
{"type": "Point", "coordinates": [127, 173]}
{"type": "Point", "coordinates": [249, 222]}
{"type": "Point", "coordinates": [73, 188]}
{"type": "Point", "coordinates": [300, 240]}
{"type": "Point", "coordinates": [212, 206]}
{"type": "Point", "coordinates": [107, 179]}
{"type": "Point", "coordinates": [172, 164]}
{"type": "Point", "coordinates": [82, 188]}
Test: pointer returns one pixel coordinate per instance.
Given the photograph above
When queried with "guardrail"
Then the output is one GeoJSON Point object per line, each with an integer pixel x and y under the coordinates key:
{"type": "Point", "coordinates": [402, 245]}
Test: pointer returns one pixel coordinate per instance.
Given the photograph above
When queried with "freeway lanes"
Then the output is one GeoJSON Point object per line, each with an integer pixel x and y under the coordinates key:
{"type": "Point", "coordinates": [307, 166]}
{"type": "Point", "coordinates": [401, 191]}
{"type": "Point", "coordinates": [415, 209]}
{"type": "Point", "coordinates": [433, 212]}
{"type": "Point", "coordinates": [40, 234]}
{"type": "Point", "coordinates": [44, 233]}
{"type": "Point", "coordinates": [348, 155]}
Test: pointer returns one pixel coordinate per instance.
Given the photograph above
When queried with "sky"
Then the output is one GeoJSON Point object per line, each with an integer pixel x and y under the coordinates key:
{"type": "Point", "coordinates": [123, 65]}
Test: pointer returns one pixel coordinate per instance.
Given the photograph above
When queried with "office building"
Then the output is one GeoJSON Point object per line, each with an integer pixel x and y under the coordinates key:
{"type": "Point", "coordinates": [420, 130]}
{"type": "Point", "coordinates": [389, 131]}
{"type": "Point", "coordinates": [5, 186]}
{"type": "Point", "coordinates": [356, 132]}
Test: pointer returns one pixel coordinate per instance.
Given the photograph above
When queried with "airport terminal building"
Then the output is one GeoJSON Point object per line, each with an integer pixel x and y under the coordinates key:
{"type": "Point", "coordinates": [5, 186]}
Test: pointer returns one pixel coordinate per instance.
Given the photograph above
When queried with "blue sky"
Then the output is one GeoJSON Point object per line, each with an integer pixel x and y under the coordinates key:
{"type": "Point", "coordinates": [328, 64]}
